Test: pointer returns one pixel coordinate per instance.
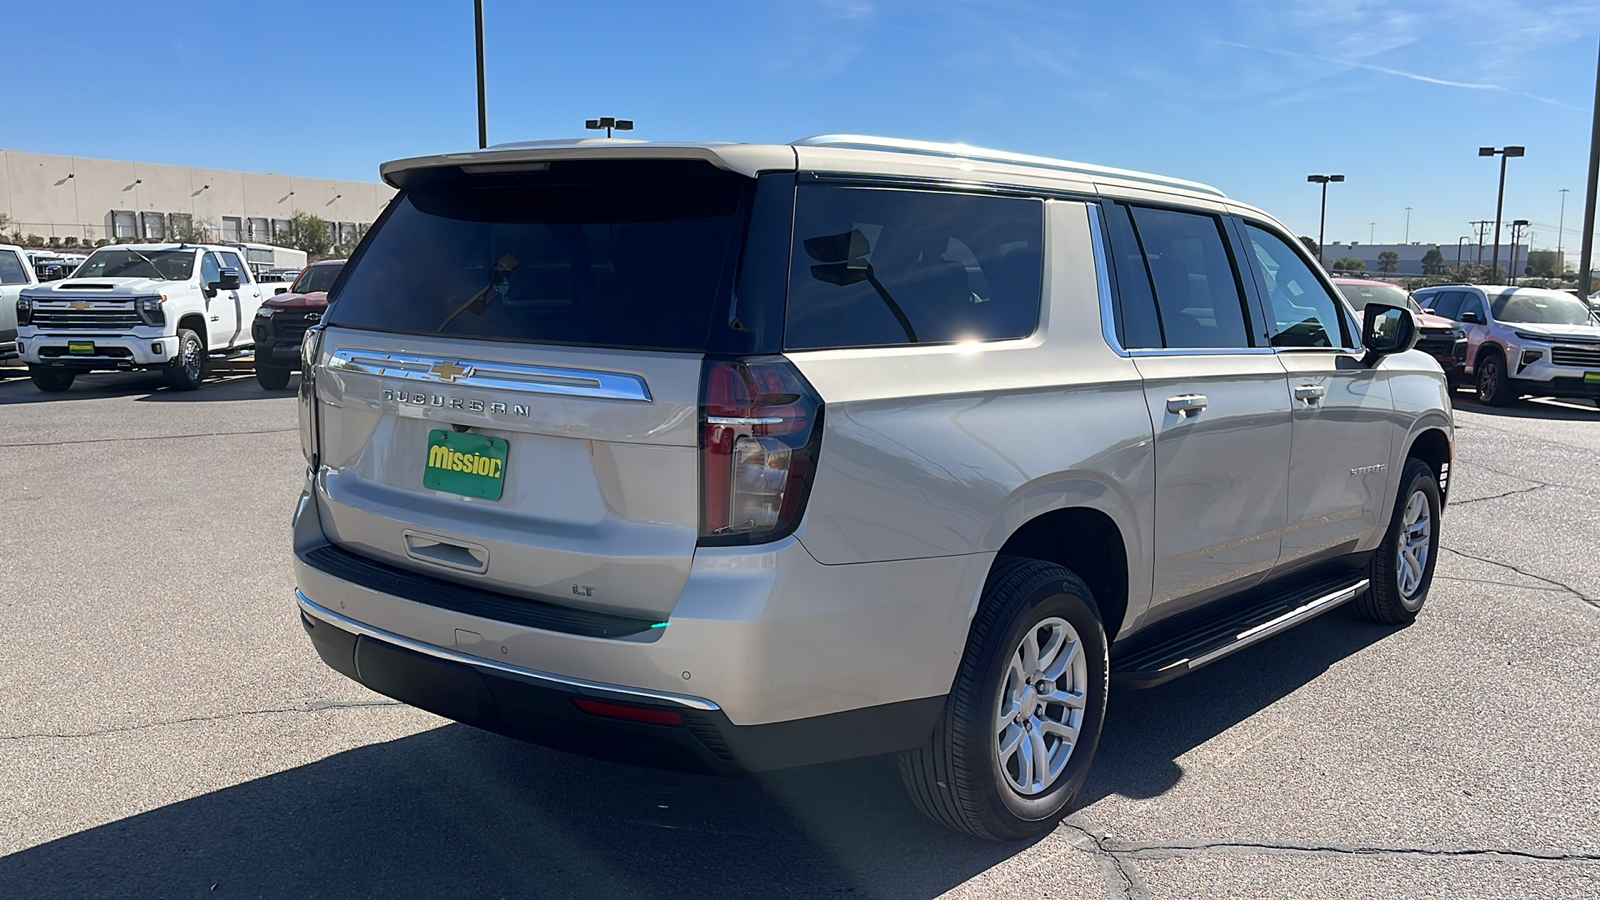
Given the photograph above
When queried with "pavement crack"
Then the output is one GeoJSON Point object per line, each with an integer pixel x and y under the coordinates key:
{"type": "Point", "coordinates": [313, 707]}
{"type": "Point", "coordinates": [1169, 850]}
{"type": "Point", "coordinates": [1120, 873]}
{"type": "Point", "coordinates": [1526, 490]}
{"type": "Point", "coordinates": [151, 437]}
{"type": "Point", "coordinates": [1592, 601]}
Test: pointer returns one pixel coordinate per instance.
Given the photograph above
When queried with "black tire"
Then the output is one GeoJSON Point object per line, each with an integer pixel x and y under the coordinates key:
{"type": "Point", "coordinates": [272, 378]}
{"type": "Point", "coordinates": [957, 778]}
{"type": "Point", "coordinates": [51, 381]}
{"type": "Point", "coordinates": [1384, 600]}
{"type": "Point", "coordinates": [188, 369]}
{"type": "Point", "coordinates": [1493, 387]}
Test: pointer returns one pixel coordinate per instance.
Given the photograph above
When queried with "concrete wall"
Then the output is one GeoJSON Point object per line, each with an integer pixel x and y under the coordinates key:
{"type": "Point", "coordinates": [61, 196]}
{"type": "Point", "coordinates": [1410, 262]}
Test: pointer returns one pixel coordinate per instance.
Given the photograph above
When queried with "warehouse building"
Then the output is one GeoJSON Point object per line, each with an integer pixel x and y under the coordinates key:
{"type": "Point", "coordinates": [72, 201]}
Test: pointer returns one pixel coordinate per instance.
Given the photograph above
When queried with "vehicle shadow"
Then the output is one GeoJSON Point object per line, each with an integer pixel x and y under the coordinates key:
{"type": "Point", "coordinates": [1549, 408]}
{"type": "Point", "coordinates": [144, 387]}
{"type": "Point", "coordinates": [459, 812]}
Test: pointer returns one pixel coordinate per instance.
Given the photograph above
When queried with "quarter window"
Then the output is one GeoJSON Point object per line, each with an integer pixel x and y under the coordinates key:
{"type": "Point", "coordinates": [874, 267]}
{"type": "Point", "coordinates": [1196, 288]}
{"type": "Point", "coordinates": [1304, 313]}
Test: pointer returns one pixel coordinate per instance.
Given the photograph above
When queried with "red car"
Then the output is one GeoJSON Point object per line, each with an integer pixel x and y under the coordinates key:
{"type": "Point", "coordinates": [1440, 338]}
{"type": "Point", "coordinates": [282, 321]}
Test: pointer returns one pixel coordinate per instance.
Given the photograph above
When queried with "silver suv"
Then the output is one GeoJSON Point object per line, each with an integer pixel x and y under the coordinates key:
{"type": "Point", "coordinates": [1522, 341]}
{"type": "Point", "coordinates": [739, 457]}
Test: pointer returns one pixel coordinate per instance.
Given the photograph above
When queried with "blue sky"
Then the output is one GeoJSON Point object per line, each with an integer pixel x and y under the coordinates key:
{"type": "Point", "coordinates": [1249, 96]}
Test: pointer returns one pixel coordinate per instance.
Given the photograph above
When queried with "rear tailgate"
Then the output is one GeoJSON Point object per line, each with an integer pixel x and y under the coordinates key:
{"type": "Point", "coordinates": [508, 386]}
{"type": "Point", "coordinates": [598, 501]}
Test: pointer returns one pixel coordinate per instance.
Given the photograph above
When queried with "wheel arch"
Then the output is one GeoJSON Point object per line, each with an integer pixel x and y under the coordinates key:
{"type": "Point", "coordinates": [1088, 542]}
{"type": "Point", "coordinates": [1484, 349]}
{"type": "Point", "coordinates": [196, 323]}
{"type": "Point", "coordinates": [1432, 445]}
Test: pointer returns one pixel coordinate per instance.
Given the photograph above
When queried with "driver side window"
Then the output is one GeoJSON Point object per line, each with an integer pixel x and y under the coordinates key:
{"type": "Point", "coordinates": [210, 271]}
{"type": "Point", "coordinates": [1473, 304]}
{"type": "Point", "coordinates": [1303, 312]}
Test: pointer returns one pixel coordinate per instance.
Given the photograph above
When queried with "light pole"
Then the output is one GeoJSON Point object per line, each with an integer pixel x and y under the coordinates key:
{"type": "Point", "coordinates": [1516, 228]}
{"type": "Point", "coordinates": [1589, 197]}
{"type": "Point", "coordinates": [1504, 153]}
{"type": "Point", "coordinates": [608, 123]}
{"type": "Point", "coordinates": [1459, 243]}
{"type": "Point", "coordinates": [1372, 232]}
{"type": "Point", "coordinates": [1561, 225]}
{"type": "Point", "coordinates": [1322, 223]}
{"type": "Point", "coordinates": [1480, 225]}
{"type": "Point", "coordinates": [1408, 224]}
{"type": "Point", "coordinates": [483, 101]}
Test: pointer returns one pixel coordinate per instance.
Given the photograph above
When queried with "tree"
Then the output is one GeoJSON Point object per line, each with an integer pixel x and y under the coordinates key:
{"type": "Point", "coordinates": [1349, 264]}
{"type": "Point", "coordinates": [1388, 261]}
{"type": "Point", "coordinates": [309, 233]}
{"type": "Point", "coordinates": [1433, 262]}
{"type": "Point", "coordinates": [1542, 263]}
{"type": "Point", "coordinates": [346, 248]}
{"type": "Point", "coordinates": [1311, 246]}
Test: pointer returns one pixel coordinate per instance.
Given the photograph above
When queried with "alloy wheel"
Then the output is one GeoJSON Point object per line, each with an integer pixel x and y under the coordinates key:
{"type": "Point", "coordinates": [1041, 706]}
{"type": "Point", "coordinates": [191, 359]}
{"type": "Point", "coordinates": [1416, 542]}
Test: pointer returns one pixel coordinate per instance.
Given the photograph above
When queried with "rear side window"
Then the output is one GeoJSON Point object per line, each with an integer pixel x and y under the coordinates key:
{"type": "Point", "coordinates": [1195, 286]}
{"type": "Point", "coordinates": [607, 254]}
{"type": "Point", "coordinates": [875, 267]}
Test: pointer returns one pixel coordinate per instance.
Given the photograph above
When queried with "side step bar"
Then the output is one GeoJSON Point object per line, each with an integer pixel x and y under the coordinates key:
{"type": "Point", "coordinates": [1160, 662]}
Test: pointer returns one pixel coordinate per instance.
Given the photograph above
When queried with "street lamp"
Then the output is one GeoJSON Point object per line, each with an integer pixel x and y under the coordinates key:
{"type": "Point", "coordinates": [1322, 223]}
{"type": "Point", "coordinates": [483, 100]}
{"type": "Point", "coordinates": [1504, 153]}
{"type": "Point", "coordinates": [608, 123]}
{"type": "Point", "coordinates": [1460, 242]}
{"type": "Point", "coordinates": [1408, 224]}
{"type": "Point", "coordinates": [1516, 228]}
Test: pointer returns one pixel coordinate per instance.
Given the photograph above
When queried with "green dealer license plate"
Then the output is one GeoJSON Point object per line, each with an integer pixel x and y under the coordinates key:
{"type": "Point", "coordinates": [472, 465]}
{"type": "Point", "coordinates": [1591, 378]}
{"type": "Point", "coordinates": [80, 348]}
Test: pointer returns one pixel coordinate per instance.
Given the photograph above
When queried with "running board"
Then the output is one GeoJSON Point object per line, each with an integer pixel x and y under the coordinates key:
{"type": "Point", "coordinates": [1208, 642]}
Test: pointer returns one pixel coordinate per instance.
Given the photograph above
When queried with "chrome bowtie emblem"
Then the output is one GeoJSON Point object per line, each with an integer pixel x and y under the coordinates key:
{"type": "Point", "coordinates": [80, 304]}
{"type": "Point", "coordinates": [449, 371]}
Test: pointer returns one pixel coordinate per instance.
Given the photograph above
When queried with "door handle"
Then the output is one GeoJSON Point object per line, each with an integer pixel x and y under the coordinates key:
{"type": "Point", "coordinates": [1310, 393]}
{"type": "Point", "coordinates": [1186, 404]}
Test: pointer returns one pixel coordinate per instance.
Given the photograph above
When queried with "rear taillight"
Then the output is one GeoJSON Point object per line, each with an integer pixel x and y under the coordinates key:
{"type": "Point", "coordinates": [760, 431]}
{"type": "Point", "coordinates": [310, 348]}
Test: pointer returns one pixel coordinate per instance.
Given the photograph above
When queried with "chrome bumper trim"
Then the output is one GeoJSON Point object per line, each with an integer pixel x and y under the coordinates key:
{"type": "Point", "coordinates": [311, 608]}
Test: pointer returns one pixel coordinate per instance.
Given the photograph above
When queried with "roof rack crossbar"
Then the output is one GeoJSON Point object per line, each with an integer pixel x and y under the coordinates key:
{"type": "Point", "coordinates": [965, 151]}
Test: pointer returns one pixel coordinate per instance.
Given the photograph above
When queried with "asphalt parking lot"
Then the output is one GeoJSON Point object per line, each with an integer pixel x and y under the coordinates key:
{"type": "Point", "coordinates": [166, 729]}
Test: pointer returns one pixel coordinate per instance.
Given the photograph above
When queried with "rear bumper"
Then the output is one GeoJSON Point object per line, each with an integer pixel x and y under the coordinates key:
{"type": "Point", "coordinates": [689, 733]}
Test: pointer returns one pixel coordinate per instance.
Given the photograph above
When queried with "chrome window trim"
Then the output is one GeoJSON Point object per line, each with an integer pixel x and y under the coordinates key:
{"type": "Point", "coordinates": [496, 375]}
{"type": "Point", "coordinates": [1108, 306]}
{"type": "Point", "coordinates": [1203, 351]}
{"type": "Point", "coordinates": [329, 617]}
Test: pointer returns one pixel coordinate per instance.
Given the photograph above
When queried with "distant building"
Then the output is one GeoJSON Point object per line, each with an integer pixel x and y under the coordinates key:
{"type": "Point", "coordinates": [80, 201]}
{"type": "Point", "coordinates": [1410, 262]}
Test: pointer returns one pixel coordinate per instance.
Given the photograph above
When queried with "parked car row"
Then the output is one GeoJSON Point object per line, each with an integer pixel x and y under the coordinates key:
{"type": "Point", "coordinates": [1522, 341]}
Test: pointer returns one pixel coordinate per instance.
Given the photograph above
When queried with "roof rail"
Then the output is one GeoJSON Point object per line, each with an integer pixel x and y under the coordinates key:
{"type": "Point", "coordinates": [966, 151]}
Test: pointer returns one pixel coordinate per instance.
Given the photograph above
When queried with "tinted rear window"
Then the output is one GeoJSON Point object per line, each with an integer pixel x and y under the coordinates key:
{"type": "Point", "coordinates": [607, 254]}
{"type": "Point", "coordinates": [879, 267]}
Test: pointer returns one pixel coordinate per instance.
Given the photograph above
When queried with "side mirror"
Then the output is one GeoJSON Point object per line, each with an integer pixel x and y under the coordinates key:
{"type": "Point", "coordinates": [277, 291]}
{"type": "Point", "coordinates": [1472, 318]}
{"type": "Point", "coordinates": [1387, 329]}
{"type": "Point", "coordinates": [227, 281]}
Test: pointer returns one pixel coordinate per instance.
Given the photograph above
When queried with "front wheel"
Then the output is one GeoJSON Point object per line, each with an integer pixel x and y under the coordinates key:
{"type": "Point", "coordinates": [1402, 569]}
{"type": "Point", "coordinates": [272, 378]}
{"type": "Point", "coordinates": [188, 368]}
{"type": "Point", "coordinates": [1493, 388]}
{"type": "Point", "coordinates": [1020, 726]}
{"type": "Point", "coordinates": [51, 381]}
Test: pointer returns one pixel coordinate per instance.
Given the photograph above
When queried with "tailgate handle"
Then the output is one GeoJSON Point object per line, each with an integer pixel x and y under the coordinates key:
{"type": "Point", "coordinates": [447, 552]}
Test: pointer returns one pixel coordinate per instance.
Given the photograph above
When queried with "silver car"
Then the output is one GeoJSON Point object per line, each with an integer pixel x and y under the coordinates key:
{"type": "Point", "coordinates": [738, 457]}
{"type": "Point", "coordinates": [1523, 341]}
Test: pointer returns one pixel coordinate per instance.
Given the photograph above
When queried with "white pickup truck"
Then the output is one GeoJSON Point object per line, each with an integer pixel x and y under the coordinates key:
{"type": "Point", "coordinates": [15, 274]}
{"type": "Point", "coordinates": [171, 307]}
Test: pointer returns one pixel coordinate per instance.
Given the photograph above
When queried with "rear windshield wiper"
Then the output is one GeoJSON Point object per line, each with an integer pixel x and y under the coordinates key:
{"type": "Point", "coordinates": [499, 283]}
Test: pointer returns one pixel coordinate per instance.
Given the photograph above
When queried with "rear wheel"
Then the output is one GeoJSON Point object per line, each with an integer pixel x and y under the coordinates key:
{"type": "Point", "coordinates": [272, 378]}
{"type": "Point", "coordinates": [1493, 388]}
{"type": "Point", "coordinates": [188, 368]}
{"type": "Point", "coordinates": [1020, 727]}
{"type": "Point", "coordinates": [51, 381]}
{"type": "Point", "coordinates": [1402, 569]}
